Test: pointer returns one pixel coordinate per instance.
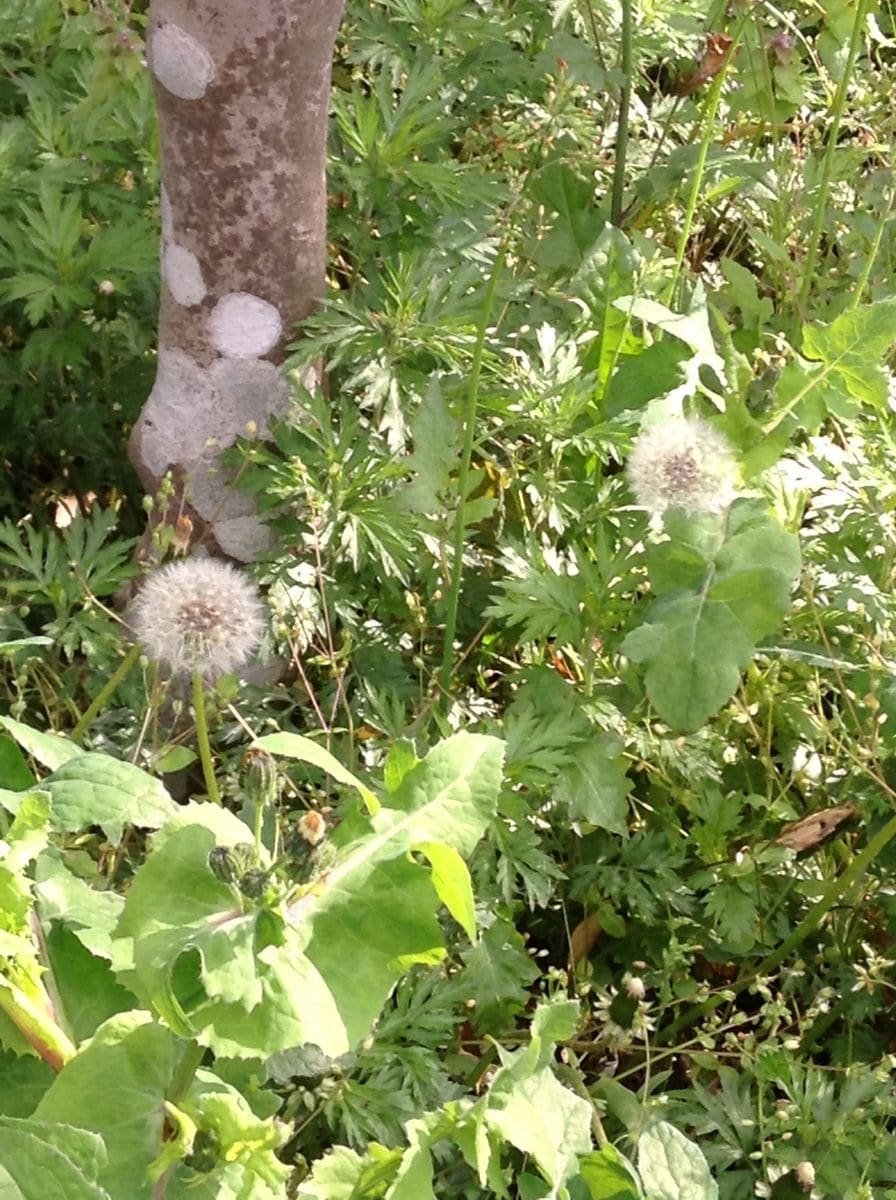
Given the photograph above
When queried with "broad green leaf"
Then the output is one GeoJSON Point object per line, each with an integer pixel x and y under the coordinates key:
{"type": "Point", "coordinates": [86, 991]}
{"type": "Point", "coordinates": [721, 584]}
{"type": "Point", "coordinates": [25, 1079]}
{"type": "Point", "coordinates": [366, 931]}
{"type": "Point", "coordinates": [40, 1158]}
{"type": "Point", "coordinates": [342, 1174]}
{"type": "Point", "coordinates": [695, 651]}
{"type": "Point", "coordinates": [91, 914]}
{"type": "Point", "coordinates": [174, 758]}
{"type": "Point", "coordinates": [609, 1176]}
{"type": "Point", "coordinates": [94, 789]}
{"type": "Point", "coordinates": [672, 1167]}
{"type": "Point", "coordinates": [293, 745]}
{"type": "Point", "coordinates": [532, 1110]}
{"type": "Point", "coordinates": [415, 1174]}
{"type": "Point", "coordinates": [28, 1023]}
{"type": "Point", "coordinates": [246, 1143]}
{"type": "Point", "coordinates": [692, 328]}
{"type": "Point", "coordinates": [578, 223]}
{"type": "Point", "coordinates": [50, 749]}
{"type": "Point", "coordinates": [15, 774]}
{"type": "Point", "coordinates": [451, 880]}
{"type": "Point", "coordinates": [115, 1087]}
{"type": "Point", "coordinates": [187, 948]}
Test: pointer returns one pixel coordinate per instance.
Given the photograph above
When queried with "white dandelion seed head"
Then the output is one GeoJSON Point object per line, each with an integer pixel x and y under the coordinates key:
{"type": "Point", "coordinates": [198, 615]}
{"type": "Point", "coordinates": [683, 463]}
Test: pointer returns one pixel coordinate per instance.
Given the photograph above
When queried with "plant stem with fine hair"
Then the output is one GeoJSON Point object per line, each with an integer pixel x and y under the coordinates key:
{"type": "Point", "coordinates": [109, 687]}
{"type": "Point", "coordinates": [827, 166]}
{"type": "Point", "coordinates": [712, 108]}
{"type": "Point", "coordinates": [463, 476]}
{"type": "Point", "coordinates": [205, 750]}
{"type": "Point", "coordinates": [625, 97]}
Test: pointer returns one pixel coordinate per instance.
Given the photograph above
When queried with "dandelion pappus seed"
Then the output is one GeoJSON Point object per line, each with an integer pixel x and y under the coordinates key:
{"type": "Point", "coordinates": [199, 615]}
{"type": "Point", "coordinates": [685, 464]}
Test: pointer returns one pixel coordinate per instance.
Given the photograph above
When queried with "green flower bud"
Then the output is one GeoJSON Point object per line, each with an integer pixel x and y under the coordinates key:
{"type": "Point", "coordinates": [260, 780]}
{"type": "Point", "coordinates": [228, 863]}
{"type": "Point", "coordinates": [253, 884]}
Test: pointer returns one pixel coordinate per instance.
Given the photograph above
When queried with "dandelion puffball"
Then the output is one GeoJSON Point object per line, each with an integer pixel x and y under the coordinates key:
{"type": "Point", "coordinates": [199, 615]}
{"type": "Point", "coordinates": [682, 463]}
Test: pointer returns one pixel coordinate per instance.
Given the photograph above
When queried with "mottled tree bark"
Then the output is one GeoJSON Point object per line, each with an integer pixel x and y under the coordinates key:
{"type": "Point", "coordinates": [242, 89]}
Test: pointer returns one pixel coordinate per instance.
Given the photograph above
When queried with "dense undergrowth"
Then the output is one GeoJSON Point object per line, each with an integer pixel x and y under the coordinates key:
{"type": "Point", "coordinates": [664, 970]}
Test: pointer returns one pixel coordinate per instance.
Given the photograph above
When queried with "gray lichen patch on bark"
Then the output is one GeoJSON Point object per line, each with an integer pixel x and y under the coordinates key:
{"type": "Point", "coordinates": [244, 326]}
{"type": "Point", "coordinates": [242, 93]}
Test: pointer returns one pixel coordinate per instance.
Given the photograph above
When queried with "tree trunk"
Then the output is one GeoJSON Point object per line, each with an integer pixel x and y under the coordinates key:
{"type": "Point", "coordinates": [242, 90]}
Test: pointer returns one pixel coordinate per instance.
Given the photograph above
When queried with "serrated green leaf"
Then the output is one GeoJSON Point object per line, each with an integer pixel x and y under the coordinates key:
{"type": "Point", "coordinates": [851, 348]}
{"type": "Point", "coordinates": [672, 1167]}
{"type": "Point", "coordinates": [186, 947]}
{"type": "Point", "coordinates": [434, 433]}
{"type": "Point", "coordinates": [498, 972]}
{"type": "Point", "coordinates": [595, 788]}
{"type": "Point", "coordinates": [94, 789]}
{"type": "Point", "coordinates": [695, 650]}
{"type": "Point", "coordinates": [40, 1158]}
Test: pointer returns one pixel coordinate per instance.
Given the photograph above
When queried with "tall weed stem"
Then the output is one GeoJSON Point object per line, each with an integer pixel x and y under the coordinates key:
{"type": "Point", "coordinates": [463, 476]}
{"type": "Point", "coordinates": [622, 122]}
{"type": "Point", "coordinates": [709, 120]}
{"type": "Point", "coordinates": [108, 689]}
{"type": "Point", "coordinates": [827, 166]}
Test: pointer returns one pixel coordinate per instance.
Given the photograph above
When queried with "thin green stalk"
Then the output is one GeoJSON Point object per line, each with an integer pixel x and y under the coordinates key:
{"type": "Point", "coordinates": [827, 167]}
{"type": "Point", "coordinates": [871, 256]}
{"type": "Point", "coordinates": [205, 750]}
{"type": "Point", "coordinates": [190, 1062]}
{"type": "Point", "coordinates": [712, 107]}
{"type": "Point", "coordinates": [625, 98]}
{"type": "Point", "coordinates": [109, 687]}
{"type": "Point", "coordinates": [463, 476]}
{"type": "Point", "coordinates": [807, 926]}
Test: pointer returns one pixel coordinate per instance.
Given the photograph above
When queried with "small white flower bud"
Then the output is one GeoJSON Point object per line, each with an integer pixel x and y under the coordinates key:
{"type": "Point", "coordinates": [804, 1174]}
{"type": "Point", "coordinates": [634, 986]}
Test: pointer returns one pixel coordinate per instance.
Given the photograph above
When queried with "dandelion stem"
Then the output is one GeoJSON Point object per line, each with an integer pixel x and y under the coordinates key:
{"type": "Point", "coordinates": [109, 687]}
{"type": "Point", "coordinates": [205, 751]}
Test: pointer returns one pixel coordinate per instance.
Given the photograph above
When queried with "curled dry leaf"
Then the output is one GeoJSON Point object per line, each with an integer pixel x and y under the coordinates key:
{"type": "Point", "coordinates": [582, 939]}
{"type": "Point", "coordinates": [811, 831]}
